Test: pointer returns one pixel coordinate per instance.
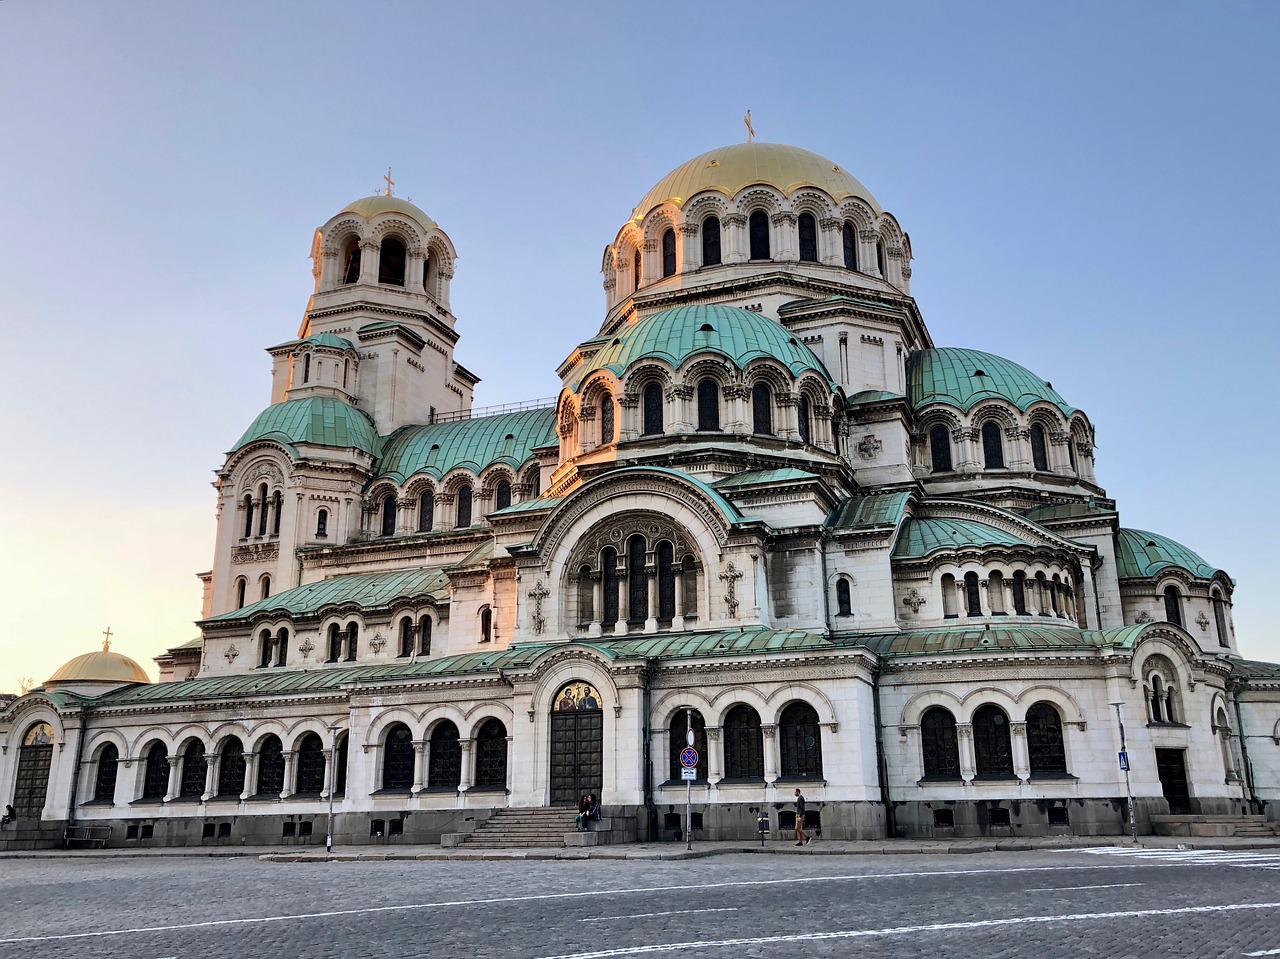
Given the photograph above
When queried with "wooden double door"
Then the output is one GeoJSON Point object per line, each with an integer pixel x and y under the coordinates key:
{"type": "Point", "coordinates": [577, 744]}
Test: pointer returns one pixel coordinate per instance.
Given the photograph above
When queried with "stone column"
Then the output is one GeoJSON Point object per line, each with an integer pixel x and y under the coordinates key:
{"type": "Point", "coordinates": [715, 755]}
{"type": "Point", "coordinates": [368, 260]}
{"type": "Point", "coordinates": [1021, 756]}
{"type": "Point", "coordinates": [286, 788]}
{"type": "Point", "coordinates": [210, 776]}
{"type": "Point", "coordinates": [415, 260]}
{"type": "Point", "coordinates": [690, 258]}
{"type": "Point", "coordinates": [650, 267]}
{"type": "Point", "coordinates": [677, 621]}
{"type": "Point", "coordinates": [651, 577]}
{"type": "Point", "coordinates": [175, 778]}
{"type": "Point", "coordinates": [420, 748]}
{"type": "Point", "coordinates": [784, 239]}
{"type": "Point", "coordinates": [250, 775]}
{"type": "Point", "coordinates": [867, 261]}
{"type": "Point", "coordinates": [736, 397]}
{"type": "Point", "coordinates": [830, 241]}
{"type": "Point", "coordinates": [597, 605]}
{"type": "Point", "coordinates": [770, 732]}
{"type": "Point", "coordinates": [329, 268]}
{"type": "Point", "coordinates": [964, 740]}
{"type": "Point", "coordinates": [788, 427]}
{"type": "Point", "coordinates": [468, 764]}
{"type": "Point", "coordinates": [733, 238]}
{"type": "Point", "coordinates": [406, 516]}
{"type": "Point", "coordinates": [620, 627]}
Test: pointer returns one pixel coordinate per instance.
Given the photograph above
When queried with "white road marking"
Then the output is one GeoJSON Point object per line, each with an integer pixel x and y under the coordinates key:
{"type": "Point", "coordinates": [1265, 952]}
{"type": "Point", "coordinates": [671, 947]}
{"type": "Point", "coordinates": [1114, 885]}
{"type": "Point", "coordinates": [650, 915]}
{"type": "Point", "coordinates": [916, 874]}
{"type": "Point", "coordinates": [1200, 857]}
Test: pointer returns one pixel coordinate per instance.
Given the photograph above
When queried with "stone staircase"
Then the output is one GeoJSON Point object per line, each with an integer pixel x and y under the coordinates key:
{"type": "Point", "coordinates": [1240, 827]}
{"type": "Point", "coordinates": [523, 828]}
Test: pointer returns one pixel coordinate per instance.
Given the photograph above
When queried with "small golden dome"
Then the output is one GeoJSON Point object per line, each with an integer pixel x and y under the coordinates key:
{"type": "Point", "coordinates": [371, 206]}
{"type": "Point", "coordinates": [102, 666]}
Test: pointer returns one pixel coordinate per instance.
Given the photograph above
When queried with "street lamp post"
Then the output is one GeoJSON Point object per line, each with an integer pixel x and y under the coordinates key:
{"type": "Point", "coordinates": [1124, 764]}
{"type": "Point", "coordinates": [333, 783]}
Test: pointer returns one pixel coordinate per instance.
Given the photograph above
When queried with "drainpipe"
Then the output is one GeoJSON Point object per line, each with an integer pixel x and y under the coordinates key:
{"type": "Point", "coordinates": [1258, 804]}
{"type": "Point", "coordinates": [85, 709]}
{"type": "Point", "coordinates": [646, 757]}
{"type": "Point", "coordinates": [882, 769]}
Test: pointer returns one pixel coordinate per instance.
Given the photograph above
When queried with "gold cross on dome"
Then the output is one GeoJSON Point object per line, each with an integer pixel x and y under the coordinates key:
{"type": "Point", "coordinates": [751, 131]}
{"type": "Point", "coordinates": [106, 640]}
{"type": "Point", "coordinates": [390, 182]}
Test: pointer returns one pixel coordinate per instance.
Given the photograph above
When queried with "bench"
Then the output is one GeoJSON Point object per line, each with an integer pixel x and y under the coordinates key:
{"type": "Point", "coordinates": [89, 836]}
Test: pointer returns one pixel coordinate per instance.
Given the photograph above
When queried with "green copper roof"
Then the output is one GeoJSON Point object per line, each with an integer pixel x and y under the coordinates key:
{"type": "Point", "coordinates": [997, 639]}
{"type": "Point", "coordinates": [366, 590]}
{"type": "Point", "coordinates": [873, 396]}
{"type": "Point", "coordinates": [785, 474]}
{"type": "Point", "coordinates": [920, 537]}
{"type": "Point", "coordinates": [866, 512]}
{"type": "Point", "coordinates": [529, 506]}
{"type": "Point", "coordinates": [330, 339]}
{"type": "Point", "coordinates": [674, 335]}
{"type": "Point", "coordinates": [1067, 511]}
{"type": "Point", "coordinates": [474, 444]}
{"type": "Point", "coordinates": [950, 375]}
{"type": "Point", "coordinates": [1253, 669]}
{"type": "Point", "coordinates": [321, 420]}
{"type": "Point", "coordinates": [1140, 555]}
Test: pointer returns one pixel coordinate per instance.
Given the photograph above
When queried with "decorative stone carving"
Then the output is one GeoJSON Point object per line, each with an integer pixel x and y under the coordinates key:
{"type": "Point", "coordinates": [1202, 621]}
{"type": "Point", "coordinates": [730, 577]}
{"type": "Point", "coordinates": [231, 654]}
{"type": "Point", "coordinates": [1143, 617]}
{"type": "Point", "coordinates": [869, 447]}
{"type": "Point", "coordinates": [307, 648]}
{"type": "Point", "coordinates": [914, 600]}
{"type": "Point", "coordinates": [538, 594]}
{"type": "Point", "coordinates": [255, 553]}
{"type": "Point", "coordinates": [377, 643]}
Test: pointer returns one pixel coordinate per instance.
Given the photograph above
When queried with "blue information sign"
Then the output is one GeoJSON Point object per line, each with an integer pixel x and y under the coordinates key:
{"type": "Point", "coordinates": [1124, 761]}
{"type": "Point", "coordinates": [688, 757]}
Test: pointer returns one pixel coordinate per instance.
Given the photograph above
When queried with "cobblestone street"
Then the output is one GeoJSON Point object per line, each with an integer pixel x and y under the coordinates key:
{"type": "Point", "coordinates": [1093, 902]}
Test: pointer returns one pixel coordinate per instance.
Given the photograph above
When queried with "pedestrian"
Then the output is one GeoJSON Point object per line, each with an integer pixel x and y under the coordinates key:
{"type": "Point", "coordinates": [801, 838]}
{"type": "Point", "coordinates": [584, 811]}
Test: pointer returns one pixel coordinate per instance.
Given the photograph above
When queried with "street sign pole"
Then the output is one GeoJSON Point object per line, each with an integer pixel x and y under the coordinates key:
{"type": "Point", "coordinates": [688, 783]}
{"type": "Point", "coordinates": [1124, 764]}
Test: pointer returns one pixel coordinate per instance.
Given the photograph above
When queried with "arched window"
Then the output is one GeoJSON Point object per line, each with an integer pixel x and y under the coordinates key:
{"type": "Point", "coordinates": [391, 261]}
{"type": "Point", "coordinates": [995, 593]}
{"type": "Point", "coordinates": [666, 582]}
{"type": "Point", "coordinates": [491, 755]}
{"type": "Point", "coordinates": [802, 418]}
{"type": "Point", "coordinates": [651, 400]}
{"type": "Point", "coordinates": [486, 624]}
{"type": "Point", "coordinates": [711, 241]}
{"type": "Point", "coordinates": [844, 603]}
{"type": "Point", "coordinates": [311, 766]}
{"type": "Point", "coordinates": [389, 514]}
{"type": "Point", "coordinates": [1157, 700]}
{"type": "Point", "coordinates": [353, 641]}
{"type": "Point", "coordinates": [277, 507]}
{"type": "Point", "coordinates": [637, 581]}
{"type": "Point", "coordinates": [800, 742]}
{"type": "Point", "coordinates": [195, 767]}
{"type": "Point", "coordinates": [677, 732]}
{"type": "Point", "coordinates": [335, 643]}
{"type": "Point", "coordinates": [669, 253]}
{"type": "Point", "coordinates": [762, 409]}
{"type": "Point", "coordinates": [940, 449]}
{"type": "Point", "coordinates": [406, 636]}
{"type": "Point", "coordinates": [808, 238]}
{"type": "Point", "coordinates": [430, 271]}
{"type": "Point", "coordinates": [463, 519]}
{"type": "Point", "coordinates": [270, 766]}
{"type": "Point", "coordinates": [938, 744]}
{"type": "Point", "coordinates": [950, 601]}
{"type": "Point", "coordinates": [266, 587]}
{"type": "Point", "coordinates": [689, 573]}
{"type": "Point", "coordinates": [104, 783]}
{"type": "Point", "coordinates": [849, 242]}
{"type": "Point", "coordinates": [1055, 586]}
{"type": "Point", "coordinates": [241, 586]}
{"type": "Point", "coordinates": [992, 748]}
{"type": "Point", "coordinates": [1220, 618]}
{"type": "Point", "coordinates": [1071, 454]}
{"type": "Point", "coordinates": [758, 233]}
{"type": "Point", "coordinates": [351, 261]}
{"type": "Point", "coordinates": [635, 267]}
{"type": "Point", "coordinates": [340, 765]}
{"type": "Point", "coordinates": [502, 497]}
{"type": "Point", "coordinates": [306, 368]}
{"type": "Point", "coordinates": [1172, 605]}
{"type": "Point", "coordinates": [397, 758]}
{"type": "Point", "coordinates": [880, 258]}
{"type": "Point", "coordinates": [609, 575]}
{"type": "Point", "coordinates": [606, 420]}
{"type": "Point", "coordinates": [708, 405]}
{"type": "Point", "coordinates": [322, 523]}
{"type": "Point", "coordinates": [262, 510]}
{"type": "Point", "coordinates": [231, 767]}
{"type": "Point", "coordinates": [267, 647]}
{"type": "Point", "coordinates": [1020, 593]}
{"type": "Point", "coordinates": [444, 758]}
{"type": "Point", "coordinates": [1042, 594]}
{"type": "Point", "coordinates": [992, 446]}
{"type": "Point", "coordinates": [424, 636]}
{"type": "Point", "coordinates": [155, 777]}
{"type": "Point", "coordinates": [248, 514]}
{"type": "Point", "coordinates": [1039, 452]}
{"type": "Point", "coordinates": [1044, 741]}
{"type": "Point", "coordinates": [426, 511]}
{"type": "Point", "coordinates": [743, 744]}
{"type": "Point", "coordinates": [282, 646]}
{"type": "Point", "coordinates": [972, 595]}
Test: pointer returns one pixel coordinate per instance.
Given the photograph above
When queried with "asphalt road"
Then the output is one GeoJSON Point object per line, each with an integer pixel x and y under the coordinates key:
{"type": "Point", "coordinates": [1044, 904]}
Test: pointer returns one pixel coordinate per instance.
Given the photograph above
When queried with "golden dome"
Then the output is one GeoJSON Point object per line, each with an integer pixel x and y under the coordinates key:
{"type": "Point", "coordinates": [371, 206]}
{"type": "Point", "coordinates": [731, 168]}
{"type": "Point", "coordinates": [102, 666]}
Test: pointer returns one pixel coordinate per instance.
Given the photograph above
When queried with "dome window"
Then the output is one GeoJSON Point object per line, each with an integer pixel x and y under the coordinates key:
{"type": "Point", "coordinates": [880, 259]}
{"type": "Point", "coordinates": [426, 511]}
{"type": "Point", "coordinates": [849, 242]}
{"type": "Point", "coordinates": [706, 328]}
{"type": "Point", "coordinates": [1039, 452]}
{"type": "Point", "coordinates": [389, 514]}
{"type": "Point", "coordinates": [979, 373]}
{"type": "Point", "coordinates": [306, 368]}
{"type": "Point", "coordinates": [802, 419]}
{"type": "Point", "coordinates": [1172, 605]}
{"type": "Point", "coordinates": [391, 260]}
{"type": "Point", "coordinates": [708, 405]}
{"type": "Point", "coordinates": [711, 241]}
{"type": "Point", "coordinates": [652, 402]}
{"type": "Point", "coordinates": [940, 449]}
{"type": "Point", "coordinates": [669, 253]}
{"type": "Point", "coordinates": [992, 446]}
{"type": "Point", "coordinates": [761, 410]}
{"type": "Point", "coordinates": [351, 261]}
{"type": "Point", "coordinates": [502, 499]}
{"type": "Point", "coordinates": [606, 420]}
{"type": "Point", "coordinates": [808, 238]}
{"type": "Point", "coordinates": [464, 508]}
{"type": "Point", "coordinates": [635, 268]}
{"type": "Point", "coordinates": [758, 234]}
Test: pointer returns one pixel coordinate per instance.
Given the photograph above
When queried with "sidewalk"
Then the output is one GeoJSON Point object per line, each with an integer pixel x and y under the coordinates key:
{"type": "Point", "coordinates": [655, 851]}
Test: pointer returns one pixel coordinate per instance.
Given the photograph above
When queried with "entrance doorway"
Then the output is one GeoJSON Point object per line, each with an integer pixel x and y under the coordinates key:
{"type": "Point", "coordinates": [577, 744]}
{"type": "Point", "coordinates": [34, 760]}
{"type": "Point", "coordinates": [1171, 766]}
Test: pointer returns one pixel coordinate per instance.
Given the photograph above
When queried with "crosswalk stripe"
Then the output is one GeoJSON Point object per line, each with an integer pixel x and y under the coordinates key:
{"type": "Point", "coordinates": [1201, 857]}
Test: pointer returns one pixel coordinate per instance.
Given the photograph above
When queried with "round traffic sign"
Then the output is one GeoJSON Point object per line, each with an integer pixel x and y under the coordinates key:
{"type": "Point", "coordinates": [688, 738]}
{"type": "Point", "coordinates": [688, 757]}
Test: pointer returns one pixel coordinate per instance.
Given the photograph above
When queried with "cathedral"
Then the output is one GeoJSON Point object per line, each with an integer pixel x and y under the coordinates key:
{"type": "Point", "coordinates": [765, 515]}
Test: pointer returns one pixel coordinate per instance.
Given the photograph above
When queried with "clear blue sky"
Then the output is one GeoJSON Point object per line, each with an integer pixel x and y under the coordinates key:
{"type": "Point", "coordinates": [1091, 190]}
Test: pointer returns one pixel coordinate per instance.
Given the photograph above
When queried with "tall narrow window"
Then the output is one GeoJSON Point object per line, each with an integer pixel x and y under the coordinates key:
{"type": "Point", "coordinates": [231, 767]}
{"type": "Point", "coordinates": [262, 510]}
{"type": "Point", "coordinates": [277, 507]}
{"type": "Point", "coordinates": [711, 241]}
{"type": "Point", "coordinates": [351, 269]}
{"type": "Point", "coordinates": [800, 742]}
{"type": "Point", "coordinates": [609, 578]}
{"type": "Point", "coordinates": [406, 637]}
{"type": "Point", "coordinates": [311, 766]}
{"type": "Point", "coordinates": [635, 267]}
{"type": "Point", "coordinates": [995, 593]}
{"type": "Point", "coordinates": [391, 261]}
{"type": "Point", "coordinates": [266, 587]}
{"type": "Point", "coordinates": [426, 511]}
{"type": "Point", "coordinates": [844, 603]}
{"type": "Point", "coordinates": [940, 449]}
{"type": "Point", "coordinates": [248, 514]}
{"type": "Point", "coordinates": [1039, 452]}
{"type": "Point", "coordinates": [491, 755]}
{"type": "Point", "coordinates": [880, 258]}
{"type": "Point", "coordinates": [1020, 593]}
{"type": "Point", "coordinates": [322, 523]}
{"type": "Point", "coordinates": [689, 573]}
{"type": "Point", "coordinates": [502, 498]}
{"type": "Point", "coordinates": [1172, 605]}
{"type": "Point", "coordinates": [486, 624]}
{"type": "Point", "coordinates": [743, 744]}
{"type": "Point", "coordinates": [762, 409]}
{"type": "Point", "coordinates": [464, 508]}
{"type": "Point", "coordinates": [389, 514]}
{"type": "Point", "coordinates": [938, 744]}
{"type": "Point", "coordinates": [397, 759]}
{"type": "Point", "coordinates": [1220, 618]}
{"type": "Point", "coordinates": [808, 238]}
{"type": "Point", "coordinates": [424, 636]}
{"type": "Point", "coordinates": [270, 766]}
{"type": "Point", "coordinates": [992, 446]}
{"type": "Point", "coordinates": [802, 418]}
{"type": "Point", "coordinates": [306, 368]}
{"type": "Point", "coordinates": [265, 647]}
{"type": "Point", "coordinates": [637, 581]}
{"type": "Point", "coordinates": [972, 594]}
{"type": "Point", "coordinates": [606, 419]}
{"type": "Point", "coordinates": [708, 405]}
{"type": "Point", "coordinates": [992, 747]}
{"type": "Point", "coordinates": [335, 643]}
{"type": "Point", "coordinates": [666, 582]}
{"type": "Point", "coordinates": [155, 778]}
{"type": "Point", "coordinates": [652, 403]}
{"type": "Point", "coordinates": [669, 253]}
{"type": "Point", "coordinates": [849, 242]}
{"type": "Point", "coordinates": [353, 641]}
{"type": "Point", "coordinates": [950, 604]}
{"type": "Point", "coordinates": [1044, 741]}
{"type": "Point", "coordinates": [241, 586]}
{"type": "Point", "coordinates": [758, 235]}
{"type": "Point", "coordinates": [282, 646]}
{"type": "Point", "coordinates": [1157, 700]}
{"type": "Point", "coordinates": [444, 757]}
{"type": "Point", "coordinates": [104, 785]}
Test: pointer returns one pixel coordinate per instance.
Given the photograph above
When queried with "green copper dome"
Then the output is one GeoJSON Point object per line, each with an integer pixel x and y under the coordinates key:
{"type": "Point", "coordinates": [475, 444]}
{"type": "Point", "coordinates": [675, 335]}
{"type": "Point", "coordinates": [1141, 555]}
{"type": "Point", "coordinates": [964, 378]}
{"type": "Point", "coordinates": [921, 537]}
{"type": "Point", "coordinates": [319, 420]}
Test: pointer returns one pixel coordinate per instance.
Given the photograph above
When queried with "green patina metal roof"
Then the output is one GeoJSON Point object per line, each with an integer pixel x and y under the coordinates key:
{"type": "Point", "coordinates": [320, 420]}
{"type": "Point", "coordinates": [867, 512]}
{"type": "Point", "coordinates": [950, 375]}
{"type": "Point", "coordinates": [873, 396]}
{"type": "Point", "coordinates": [1140, 555]}
{"type": "Point", "coordinates": [729, 510]}
{"type": "Point", "coordinates": [367, 590]}
{"type": "Point", "coordinates": [473, 444]}
{"type": "Point", "coordinates": [996, 639]}
{"type": "Point", "coordinates": [1067, 511]}
{"type": "Point", "coordinates": [330, 339]}
{"type": "Point", "coordinates": [676, 334]}
{"type": "Point", "coordinates": [529, 506]}
{"type": "Point", "coordinates": [1252, 669]}
{"type": "Point", "coordinates": [762, 477]}
{"type": "Point", "coordinates": [920, 537]}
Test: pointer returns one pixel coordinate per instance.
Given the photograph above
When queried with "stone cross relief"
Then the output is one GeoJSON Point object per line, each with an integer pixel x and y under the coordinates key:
{"type": "Point", "coordinates": [231, 654]}
{"type": "Point", "coordinates": [307, 647]}
{"type": "Point", "coordinates": [538, 594]}
{"type": "Point", "coordinates": [730, 576]}
{"type": "Point", "coordinates": [914, 600]}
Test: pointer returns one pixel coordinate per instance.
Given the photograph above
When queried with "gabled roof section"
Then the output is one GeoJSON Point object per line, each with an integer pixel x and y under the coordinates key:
{"type": "Point", "coordinates": [1074, 510]}
{"type": "Point", "coordinates": [964, 378]}
{"type": "Point", "coordinates": [474, 444]}
{"type": "Point", "coordinates": [922, 537]}
{"type": "Point", "coordinates": [366, 590]}
{"type": "Point", "coordinates": [315, 420]}
{"type": "Point", "coordinates": [785, 474]}
{"type": "Point", "coordinates": [1141, 555]}
{"type": "Point", "coordinates": [1029, 637]}
{"type": "Point", "coordinates": [883, 510]}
